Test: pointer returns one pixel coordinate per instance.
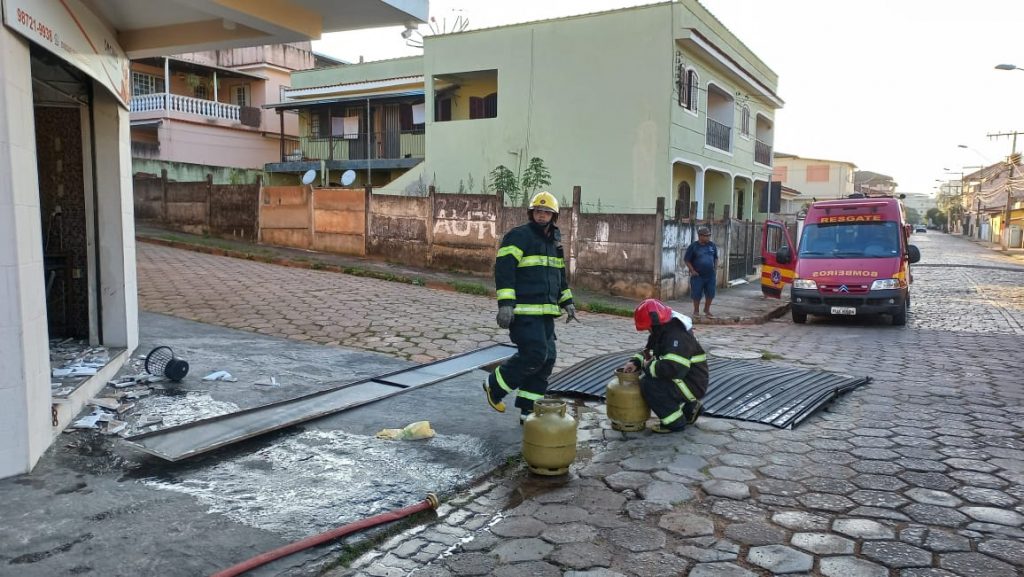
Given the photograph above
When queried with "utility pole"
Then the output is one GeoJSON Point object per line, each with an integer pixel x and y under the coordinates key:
{"type": "Point", "coordinates": [1009, 182]}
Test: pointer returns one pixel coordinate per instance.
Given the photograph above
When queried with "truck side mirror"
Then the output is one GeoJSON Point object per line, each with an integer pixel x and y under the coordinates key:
{"type": "Point", "coordinates": [784, 255]}
{"type": "Point", "coordinates": [913, 253]}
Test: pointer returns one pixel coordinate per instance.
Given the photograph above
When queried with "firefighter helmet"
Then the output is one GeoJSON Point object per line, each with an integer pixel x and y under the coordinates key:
{"type": "Point", "coordinates": [651, 313]}
{"type": "Point", "coordinates": [544, 201]}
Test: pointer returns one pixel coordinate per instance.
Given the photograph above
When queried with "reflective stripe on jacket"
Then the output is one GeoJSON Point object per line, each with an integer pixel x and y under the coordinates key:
{"type": "Point", "coordinates": [677, 357]}
{"type": "Point", "coordinates": [529, 271]}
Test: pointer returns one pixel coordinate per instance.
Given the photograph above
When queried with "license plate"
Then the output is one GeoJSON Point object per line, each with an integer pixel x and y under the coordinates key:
{"type": "Point", "coordinates": [844, 310]}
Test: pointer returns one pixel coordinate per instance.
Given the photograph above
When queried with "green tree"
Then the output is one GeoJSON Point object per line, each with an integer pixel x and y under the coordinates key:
{"type": "Point", "coordinates": [936, 217]}
{"type": "Point", "coordinates": [536, 176]}
{"type": "Point", "coordinates": [913, 217]}
{"type": "Point", "coordinates": [505, 183]}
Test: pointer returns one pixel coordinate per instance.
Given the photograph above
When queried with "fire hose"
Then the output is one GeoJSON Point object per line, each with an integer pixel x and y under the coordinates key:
{"type": "Point", "coordinates": [430, 502]}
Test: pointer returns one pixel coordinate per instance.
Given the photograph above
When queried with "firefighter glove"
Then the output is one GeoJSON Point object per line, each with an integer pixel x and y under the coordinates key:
{"type": "Point", "coordinates": [570, 312]}
{"type": "Point", "coordinates": [504, 316]}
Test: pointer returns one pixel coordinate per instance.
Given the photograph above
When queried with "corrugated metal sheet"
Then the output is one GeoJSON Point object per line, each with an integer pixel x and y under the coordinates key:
{"type": "Point", "coordinates": [190, 439]}
{"type": "Point", "coordinates": [745, 390]}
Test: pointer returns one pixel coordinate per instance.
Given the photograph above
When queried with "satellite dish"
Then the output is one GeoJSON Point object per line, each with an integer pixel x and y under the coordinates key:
{"type": "Point", "coordinates": [309, 176]}
{"type": "Point", "coordinates": [348, 177]}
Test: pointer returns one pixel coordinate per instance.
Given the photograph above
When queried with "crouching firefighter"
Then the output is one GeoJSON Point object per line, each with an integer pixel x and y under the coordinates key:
{"type": "Point", "coordinates": [674, 365]}
{"type": "Point", "coordinates": [530, 281]}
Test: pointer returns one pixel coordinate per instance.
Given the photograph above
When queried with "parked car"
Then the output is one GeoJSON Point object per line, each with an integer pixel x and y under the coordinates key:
{"type": "Point", "coordinates": [920, 228]}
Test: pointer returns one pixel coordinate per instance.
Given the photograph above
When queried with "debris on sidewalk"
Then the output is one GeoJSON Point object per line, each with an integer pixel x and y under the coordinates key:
{"type": "Point", "coordinates": [220, 376]}
{"type": "Point", "coordinates": [267, 382]}
{"type": "Point", "coordinates": [412, 431]}
{"type": "Point", "coordinates": [105, 403]}
{"type": "Point", "coordinates": [149, 421]}
{"type": "Point", "coordinates": [76, 359]}
{"type": "Point", "coordinates": [92, 420]}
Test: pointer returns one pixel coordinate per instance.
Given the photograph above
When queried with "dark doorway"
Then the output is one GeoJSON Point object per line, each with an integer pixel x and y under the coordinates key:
{"type": "Point", "coordinates": [60, 97]}
{"type": "Point", "coordinates": [683, 199]}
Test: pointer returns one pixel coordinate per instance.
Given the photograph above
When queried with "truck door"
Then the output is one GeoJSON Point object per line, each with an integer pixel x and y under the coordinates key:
{"type": "Point", "coordinates": [778, 257]}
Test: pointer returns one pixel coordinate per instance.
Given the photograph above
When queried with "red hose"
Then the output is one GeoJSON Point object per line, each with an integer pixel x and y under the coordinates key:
{"type": "Point", "coordinates": [430, 502]}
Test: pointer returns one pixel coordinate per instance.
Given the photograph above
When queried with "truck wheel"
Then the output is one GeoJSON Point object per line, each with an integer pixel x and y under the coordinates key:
{"type": "Point", "coordinates": [900, 319]}
{"type": "Point", "coordinates": [799, 317]}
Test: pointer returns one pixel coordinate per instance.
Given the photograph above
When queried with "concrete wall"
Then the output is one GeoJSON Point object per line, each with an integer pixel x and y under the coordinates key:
{"type": "Point", "coordinates": [24, 362]}
{"type": "Point", "coordinates": [632, 255]}
{"type": "Point", "coordinates": [227, 210]}
{"type": "Point", "coordinates": [187, 172]}
{"type": "Point", "coordinates": [189, 139]}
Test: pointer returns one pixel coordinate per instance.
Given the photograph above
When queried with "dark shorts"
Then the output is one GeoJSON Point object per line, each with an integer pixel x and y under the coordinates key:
{"type": "Point", "coordinates": [702, 287]}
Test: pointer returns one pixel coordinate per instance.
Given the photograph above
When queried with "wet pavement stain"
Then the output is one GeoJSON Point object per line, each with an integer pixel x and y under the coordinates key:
{"type": "Point", "coordinates": [312, 481]}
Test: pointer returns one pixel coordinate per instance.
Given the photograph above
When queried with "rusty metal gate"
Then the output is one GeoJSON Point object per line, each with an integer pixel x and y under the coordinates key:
{"type": "Point", "coordinates": [744, 248]}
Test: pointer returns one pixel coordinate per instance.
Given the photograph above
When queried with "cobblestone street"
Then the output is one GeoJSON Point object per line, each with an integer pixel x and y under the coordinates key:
{"type": "Point", "coordinates": [918, 474]}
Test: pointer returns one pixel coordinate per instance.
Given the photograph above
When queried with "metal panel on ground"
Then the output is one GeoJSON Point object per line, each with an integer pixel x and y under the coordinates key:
{"type": "Point", "coordinates": [749, 391]}
{"type": "Point", "coordinates": [190, 439]}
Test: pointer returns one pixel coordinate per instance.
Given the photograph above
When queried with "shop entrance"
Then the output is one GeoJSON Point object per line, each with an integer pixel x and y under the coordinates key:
{"type": "Point", "coordinates": [61, 111]}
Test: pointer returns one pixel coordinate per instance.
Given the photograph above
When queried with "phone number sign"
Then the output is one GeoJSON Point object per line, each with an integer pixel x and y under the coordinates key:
{"type": "Point", "coordinates": [71, 31]}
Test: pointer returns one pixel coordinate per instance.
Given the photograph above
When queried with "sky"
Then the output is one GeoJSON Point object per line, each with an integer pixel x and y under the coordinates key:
{"type": "Point", "coordinates": [893, 86]}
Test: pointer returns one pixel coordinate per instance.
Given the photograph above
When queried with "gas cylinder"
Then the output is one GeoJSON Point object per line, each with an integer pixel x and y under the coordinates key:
{"type": "Point", "coordinates": [549, 438]}
{"type": "Point", "coordinates": [626, 407]}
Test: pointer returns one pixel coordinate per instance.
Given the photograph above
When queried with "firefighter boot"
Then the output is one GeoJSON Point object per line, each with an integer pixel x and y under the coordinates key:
{"type": "Point", "coordinates": [495, 404]}
{"type": "Point", "coordinates": [691, 410]}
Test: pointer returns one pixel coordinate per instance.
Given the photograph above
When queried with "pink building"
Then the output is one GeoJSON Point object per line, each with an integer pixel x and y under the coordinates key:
{"type": "Point", "coordinates": [205, 109]}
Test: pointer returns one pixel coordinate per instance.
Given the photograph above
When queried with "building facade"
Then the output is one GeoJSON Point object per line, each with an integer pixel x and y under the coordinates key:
{"type": "Point", "coordinates": [202, 112]}
{"type": "Point", "coordinates": [67, 246]}
{"type": "Point", "coordinates": [631, 105]}
{"type": "Point", "coordinates": [814, 178]}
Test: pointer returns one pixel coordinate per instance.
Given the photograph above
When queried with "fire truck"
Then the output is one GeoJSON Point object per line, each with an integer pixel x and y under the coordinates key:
{"type": "Point", "coordinates": [852, 258]}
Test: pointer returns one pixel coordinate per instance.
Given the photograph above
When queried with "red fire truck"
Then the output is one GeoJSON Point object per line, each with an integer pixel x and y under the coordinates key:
{"type": "Point", "coordinates": [853, 258]}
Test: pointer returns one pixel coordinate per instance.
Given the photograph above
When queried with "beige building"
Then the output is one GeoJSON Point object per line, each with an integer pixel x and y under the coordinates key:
{"type": "Point", "coordinates": [632, 105]}
{"type": "Point", "coordinates": [67, 247]}
{"type": "Point", "coordinates": [814, 178]}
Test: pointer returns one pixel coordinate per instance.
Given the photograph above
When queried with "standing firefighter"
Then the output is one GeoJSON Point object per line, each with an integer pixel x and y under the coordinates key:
{"type": "Point", "coordinates": [529, 275]}
{"type": "Point", "coordinates": [675, 367]}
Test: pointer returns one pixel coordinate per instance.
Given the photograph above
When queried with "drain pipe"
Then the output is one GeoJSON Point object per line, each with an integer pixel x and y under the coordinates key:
{"type": "Point", "coordinates": [430, 502]}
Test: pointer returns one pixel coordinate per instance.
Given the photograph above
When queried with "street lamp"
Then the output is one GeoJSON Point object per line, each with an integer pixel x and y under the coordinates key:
{"type": "Point", "coordinates": [1008, 67]}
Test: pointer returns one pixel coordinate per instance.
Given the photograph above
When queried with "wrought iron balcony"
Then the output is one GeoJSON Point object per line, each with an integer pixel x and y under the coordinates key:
{"type": "Point", "coordinates": [718, 136]}
{"type": "Point", "coordinates": [762, 153]}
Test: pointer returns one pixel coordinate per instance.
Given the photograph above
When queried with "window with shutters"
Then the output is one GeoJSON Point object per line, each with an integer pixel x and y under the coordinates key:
{"type": "Point", "coordinates": [466, 95]}
{"type": "Point", "coordinates": [692, 90]}
{"type": "Point", "coordinates": [240, 95]}
{"type": "Point", "coordinates": [444, 109]}
{"type": "Point", "coordinates": [410, 117]}
{"type": "Point", "coordinates": [780, 173]}
{"type": "Point", "coordinates": [817, 173]}
{"type": "Point", "coordinates": [745, 121]}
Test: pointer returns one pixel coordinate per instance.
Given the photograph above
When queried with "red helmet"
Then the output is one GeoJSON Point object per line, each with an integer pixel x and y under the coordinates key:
{"type": "Point", "coordinates": [651, 312]}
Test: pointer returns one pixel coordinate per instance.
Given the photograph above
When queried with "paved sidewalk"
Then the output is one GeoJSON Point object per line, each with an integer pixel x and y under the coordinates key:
{"type": "Point", "coordinates": [740, 304]}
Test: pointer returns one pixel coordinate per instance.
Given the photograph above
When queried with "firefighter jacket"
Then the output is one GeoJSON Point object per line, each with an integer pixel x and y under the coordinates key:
{"type": "Point", "coordinates": [529, 271]}
{"type": "Point", "coordinates": [676, 356]}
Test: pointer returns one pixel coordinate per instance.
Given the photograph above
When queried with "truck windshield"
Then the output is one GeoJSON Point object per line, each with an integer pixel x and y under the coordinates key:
{"type": "Point", "coordinates": [850, 240]}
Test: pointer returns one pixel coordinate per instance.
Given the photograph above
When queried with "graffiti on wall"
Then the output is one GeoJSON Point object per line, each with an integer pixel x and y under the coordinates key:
{"type": "Point", "coordinates": [464, 217]}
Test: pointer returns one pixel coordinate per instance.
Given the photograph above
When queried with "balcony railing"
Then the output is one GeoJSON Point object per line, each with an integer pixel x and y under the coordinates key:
{"type": "Point", "coordinates": [718, 136]}
{"type": "Point", "coordinates": [382, 145]}
{"type": "Point", "coordinates": [762, 153]}
{"type": "Point", "coordinates": [186, 105]}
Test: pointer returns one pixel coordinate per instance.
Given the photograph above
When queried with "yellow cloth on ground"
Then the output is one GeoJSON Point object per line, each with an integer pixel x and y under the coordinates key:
{"type": "Point", "coordinates": [417, 430]}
